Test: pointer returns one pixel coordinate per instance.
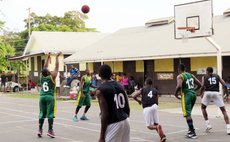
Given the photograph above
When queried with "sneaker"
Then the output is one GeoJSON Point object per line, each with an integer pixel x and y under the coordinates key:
{"type": "Point", "coordinates": [51, 134]}
{"type": "Point", "coordinates": [208, 128]}
{"type": "Point", "coordinates": [75, 119]}
{"type": "Point", "coordinates": [40, 133]}
{"type": "Point", "coordinates": [228, 131]}
{"type": "Point", "coordinates": [161, 133]}
{"type": "Point", "coordinates": [191, 135]}
{"type": "Point", "coordinates": [84, 118]}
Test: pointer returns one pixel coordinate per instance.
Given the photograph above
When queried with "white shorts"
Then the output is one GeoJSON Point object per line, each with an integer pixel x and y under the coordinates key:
{"type": "Point", "coordinates": [214, 96]}
{"type": "Point", "coordinates": [118, 132]}
{"type": "Point", "coordinates": [151, 115]}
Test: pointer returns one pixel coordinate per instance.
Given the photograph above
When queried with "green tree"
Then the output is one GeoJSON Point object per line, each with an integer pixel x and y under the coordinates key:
{"type": "Point", "coordinates": [72, 21]}
{"type": "Point", "coordinates": [5, 51]}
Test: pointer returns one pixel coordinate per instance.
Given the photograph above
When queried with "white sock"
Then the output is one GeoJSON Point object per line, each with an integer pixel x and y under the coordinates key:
{"type": "Point", "coordinates": [207, 122]}
{"type": "Point", "coordinates": [228, 126]}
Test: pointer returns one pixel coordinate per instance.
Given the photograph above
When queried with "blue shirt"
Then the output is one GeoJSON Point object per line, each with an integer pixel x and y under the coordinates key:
{"type": "Point", "coordinates": [73, 71]}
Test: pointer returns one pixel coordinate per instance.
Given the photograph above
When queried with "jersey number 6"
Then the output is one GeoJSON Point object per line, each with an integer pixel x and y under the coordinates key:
{"type": "Point", "coordinates": [45, 87]}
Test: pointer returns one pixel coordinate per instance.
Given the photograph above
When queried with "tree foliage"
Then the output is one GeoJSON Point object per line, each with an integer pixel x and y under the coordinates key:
{"type": "Point", "coordinates": [5, 51]}
{"type": "Point", "coordinates": [72, 21]}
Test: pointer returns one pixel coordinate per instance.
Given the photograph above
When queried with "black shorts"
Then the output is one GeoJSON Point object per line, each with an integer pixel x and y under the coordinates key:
{"type": "Point", "coordinates": [3, 84]}
{"type": "Point", "coordinates": [126, 87]}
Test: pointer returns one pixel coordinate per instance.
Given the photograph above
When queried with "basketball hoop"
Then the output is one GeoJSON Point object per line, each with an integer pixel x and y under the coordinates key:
{"type": "Point", "coordinates": [185, 32]}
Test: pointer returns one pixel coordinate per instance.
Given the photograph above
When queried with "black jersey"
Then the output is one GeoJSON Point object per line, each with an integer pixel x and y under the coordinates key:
{"type": "Point", "coordinates": [117, 101]}
{"type": "Point", "coordinates": [211, 82]}
{"type": "Point", "coordinates": [149, 97]}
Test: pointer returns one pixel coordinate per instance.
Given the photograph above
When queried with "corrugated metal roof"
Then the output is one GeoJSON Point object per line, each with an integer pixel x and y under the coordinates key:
{"type": "Point", "coordinates": [156, 42]}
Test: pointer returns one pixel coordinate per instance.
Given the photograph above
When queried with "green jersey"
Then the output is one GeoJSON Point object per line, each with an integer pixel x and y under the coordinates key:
{"type": "Point", "coordinates": [47, 86]}
{"type": "Point", "coordinates": [87, 83]}
{"type": "Point", "coordinates": [187, 83]}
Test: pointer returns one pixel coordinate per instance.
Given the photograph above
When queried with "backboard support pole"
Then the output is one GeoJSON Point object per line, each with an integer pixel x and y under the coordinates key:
{"type": "Point", "coordinates": [219, 65]}
{"type": "Point", "coordinates": [219, 58]}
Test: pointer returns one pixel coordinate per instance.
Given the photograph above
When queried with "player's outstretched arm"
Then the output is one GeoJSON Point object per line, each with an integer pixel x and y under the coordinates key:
{"type": "Point", "coordinates": [47, 61]}
{"type": "Point", "coordinates": [136, 95]}
{"type": "Point", "coordinates": [104, 114]}
{"type": "Point", "coordinates": [202, 88]}
{"type": "Point", "coordinates": [55, 71]}
{"type": "Point", "coordinates": [224, 85]}
{"type": "Point", "coordinates": [197, 82]}
{"type": "Point", "coordinates": [178, 87]}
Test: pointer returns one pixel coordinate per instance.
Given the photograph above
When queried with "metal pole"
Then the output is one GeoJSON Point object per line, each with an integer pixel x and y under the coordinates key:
{"type": "Point", "coordinates": [29, 22]}
{"type": "Point", "coordinates": [26, 77]}
{"type": "Point", "coordinates": [219, 64]}
{"type": "Point", "coordinates": [219, 55]}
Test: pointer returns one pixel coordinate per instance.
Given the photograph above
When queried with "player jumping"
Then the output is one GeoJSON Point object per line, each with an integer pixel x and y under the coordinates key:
{"type": "Point", "coordinates": [47, 101]}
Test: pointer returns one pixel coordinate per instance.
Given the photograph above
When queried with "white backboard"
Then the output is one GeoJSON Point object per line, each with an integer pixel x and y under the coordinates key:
{"type": "Point", "coordinates": [198, 14]}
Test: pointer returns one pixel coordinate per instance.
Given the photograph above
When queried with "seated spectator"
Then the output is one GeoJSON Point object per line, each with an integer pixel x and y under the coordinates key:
{"type": "Point", "coordinates": [74, 72]}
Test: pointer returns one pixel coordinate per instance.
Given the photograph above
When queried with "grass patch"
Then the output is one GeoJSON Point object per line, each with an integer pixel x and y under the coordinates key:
{"type": "Point", "coordinates": [23, 95]}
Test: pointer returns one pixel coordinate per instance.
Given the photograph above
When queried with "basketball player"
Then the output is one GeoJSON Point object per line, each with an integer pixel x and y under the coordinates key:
{"type": "Point", "coordinates": [84, 97]}
{"type": "Point", "coordinates": [210, 92]}
{"type": "Point", "coordinates": [47, 102]}
{"type": "Point", "coordinates": [114, 108]}
{"type": "Point", "coordinates": [186, 86]}
{"type": "Point", "coordinates": [149, 101]}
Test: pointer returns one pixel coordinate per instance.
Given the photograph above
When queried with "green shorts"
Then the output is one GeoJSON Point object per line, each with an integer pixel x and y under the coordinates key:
{"type": "Point", "coordinates": [83, 101]}
{"type": "Point", "coordinates": [47, 106]}
{"type": "Point", "coordinates": [188, 100]}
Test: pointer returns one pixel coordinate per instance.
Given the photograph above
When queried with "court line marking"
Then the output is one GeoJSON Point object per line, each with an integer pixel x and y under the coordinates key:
{"type": "Point", "coordinates": [69, 125]}
{"type": "Point", "coordinates": [61, 118]}
{"type": "Point", "coordinates": [72, 140]}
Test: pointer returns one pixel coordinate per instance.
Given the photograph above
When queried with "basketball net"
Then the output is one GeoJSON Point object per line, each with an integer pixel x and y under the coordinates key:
{"type": "Point", "coordinates": [185, 33]}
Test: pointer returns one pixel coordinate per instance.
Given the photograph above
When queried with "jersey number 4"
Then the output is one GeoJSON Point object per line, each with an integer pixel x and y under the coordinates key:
{"type": "Point", "coordinates": [45, 87]}
{"type": "Point", "coordinates": [119, 100]}
{"type": "Point", "coordinates": [150, 94]}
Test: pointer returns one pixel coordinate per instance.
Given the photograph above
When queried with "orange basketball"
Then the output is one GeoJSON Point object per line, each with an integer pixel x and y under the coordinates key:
{"type": "Point", "coordinates": [85, 9]}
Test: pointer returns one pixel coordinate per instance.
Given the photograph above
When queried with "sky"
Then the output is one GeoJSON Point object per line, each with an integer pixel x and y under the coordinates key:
{"type": "Point", "coordinates": [106, 16]}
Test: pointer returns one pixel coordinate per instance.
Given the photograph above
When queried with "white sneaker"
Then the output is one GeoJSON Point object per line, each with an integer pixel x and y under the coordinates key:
{"type": "Point", "coordinates": [228, 130]}
{"type": "Point", "coordinates": [208, 128]}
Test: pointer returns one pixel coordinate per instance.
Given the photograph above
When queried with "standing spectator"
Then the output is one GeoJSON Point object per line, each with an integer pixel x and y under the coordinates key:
{"type": "Point", "coordinates": [94, 79]}
{"type": "Point", "coordinates": [57, 80]}
{"type": "Point", "coordinates": [228, 83]}
{"type": "Point", "coordinates": [9, 80]}
{"type": "Point", "coordinates": [118, 77]}
{"type": "Point", "coordinates": [125, 82]}
{"type": "Point", "coordinates": [3, 81]}
{"type": "Point", "coordinates": [132, 84]}
{"type": "Point", "coordinates": [114, 77]}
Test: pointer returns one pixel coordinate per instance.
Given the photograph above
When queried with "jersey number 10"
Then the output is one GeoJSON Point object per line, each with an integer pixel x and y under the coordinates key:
{"type": "Point", "coordinates": [119, 100]}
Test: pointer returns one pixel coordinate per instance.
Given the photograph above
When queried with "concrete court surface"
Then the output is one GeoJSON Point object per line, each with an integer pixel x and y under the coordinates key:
{"type": "Point", "coordinates": [19, 123]}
